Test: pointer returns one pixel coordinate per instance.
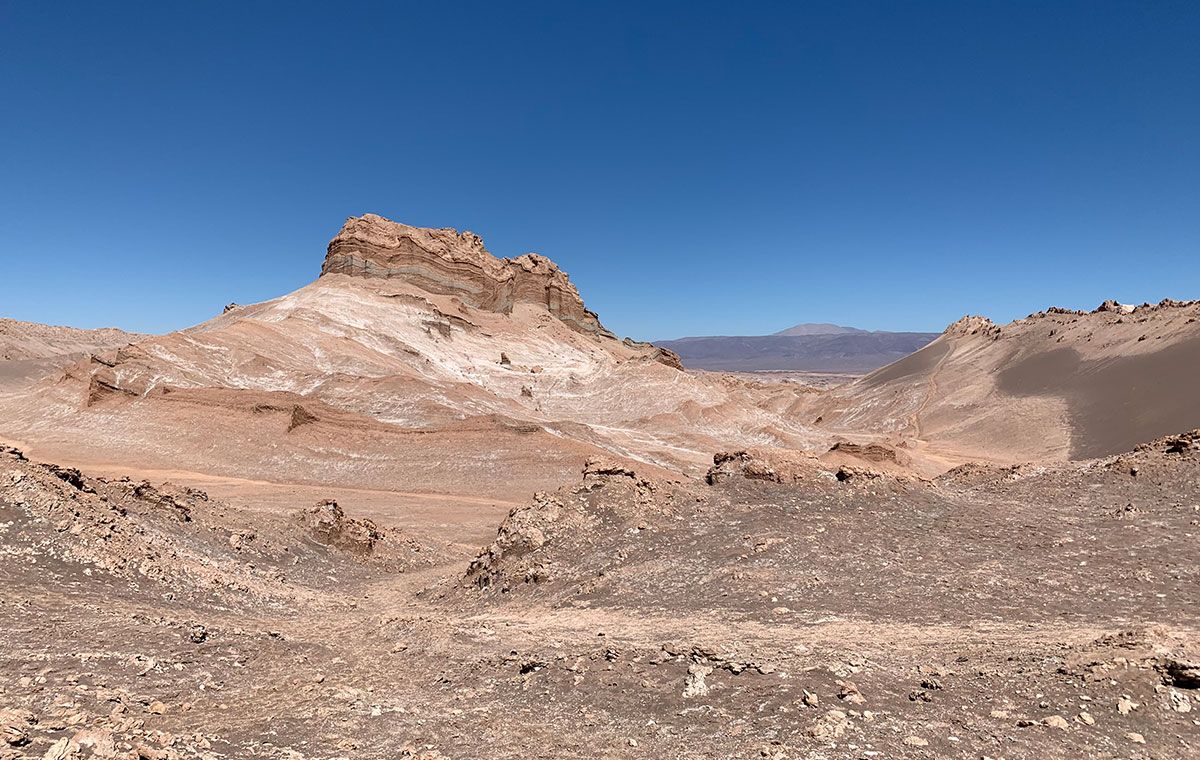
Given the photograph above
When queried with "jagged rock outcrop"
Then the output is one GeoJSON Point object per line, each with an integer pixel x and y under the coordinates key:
{"type": "Point", "coordinates": [449, 262]}
{"type": "Point", "coordinates": [328, 524]}
{"type": "Point", "coordinates": [973, 325]}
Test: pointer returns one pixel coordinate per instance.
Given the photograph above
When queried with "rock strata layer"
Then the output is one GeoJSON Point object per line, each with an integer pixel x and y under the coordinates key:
{"type": "Point", "coordinates": [449, 262]}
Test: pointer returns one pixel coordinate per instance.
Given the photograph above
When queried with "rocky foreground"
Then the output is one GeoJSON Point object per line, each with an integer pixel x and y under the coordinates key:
{"type": "Point", "coordinates": [788, 608]}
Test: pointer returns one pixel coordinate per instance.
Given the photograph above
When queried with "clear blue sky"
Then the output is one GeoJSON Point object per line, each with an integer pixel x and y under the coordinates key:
{"type": "Point", "coordinates": [698, 168]}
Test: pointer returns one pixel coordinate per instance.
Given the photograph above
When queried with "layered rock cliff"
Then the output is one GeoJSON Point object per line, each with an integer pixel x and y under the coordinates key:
{"type": "Point", "coordinates": [449, 262]}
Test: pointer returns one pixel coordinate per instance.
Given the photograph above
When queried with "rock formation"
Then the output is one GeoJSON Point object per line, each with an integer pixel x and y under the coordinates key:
{"type": "Point", "coordinates": [413, 346]}
{"type": "Point", "coordinates": [448, 262]}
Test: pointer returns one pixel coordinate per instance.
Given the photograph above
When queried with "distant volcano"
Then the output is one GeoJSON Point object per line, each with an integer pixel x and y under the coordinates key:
{"type": "Point", "coordinates": [808, 347]}
{"type": "Point", "coordinates": [819, 328]}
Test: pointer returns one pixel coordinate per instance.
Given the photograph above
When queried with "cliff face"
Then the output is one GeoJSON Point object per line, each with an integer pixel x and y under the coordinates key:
{"type": "Point", "coordinates": [449, 262]}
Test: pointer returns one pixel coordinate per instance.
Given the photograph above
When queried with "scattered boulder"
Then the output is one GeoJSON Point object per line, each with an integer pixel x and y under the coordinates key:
{"type": "Point", "coordinates": [15, 726]}
{"type": "Point", "coordinates": [831, 725]}
{"type": "Point", "coordinates": [1184, 674]}
{"type": "Point", "coordinates": [772, 466]}
{"type": "Point", "coordinates": [524, 531]}
{"type": "Point", "coordinates": [71, 476]}
{"type": "Point", "coordinates": [849, 693]}
{"type": "Point", "coordinates": [871, 452]}
{"type": "Point", "coordinates": [1057, 721]}
{"type": "Point", "coordinates": [595, 467]}
{"type": "Point", "coordinates": [327, 524]}
{"type": "Point", "coordinates": [1179, 702]}
{"type": "Point", "coordinates": [847, 473]}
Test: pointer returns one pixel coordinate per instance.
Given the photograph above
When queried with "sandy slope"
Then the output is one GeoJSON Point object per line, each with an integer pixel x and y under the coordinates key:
{"type": "Point", "coordinates": [1057, 385]}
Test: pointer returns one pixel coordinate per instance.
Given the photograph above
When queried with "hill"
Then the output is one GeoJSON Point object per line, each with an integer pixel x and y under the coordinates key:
{"type": "Point", "coordinates": [1059, 384]}
{"type": "Point", "coordinates": [21, 341]}
{"type": "Point", "coordinates": [818, 328]}
{"type": "Point", "coordinates": [431, 363]}
{"type": "Point", "coordinates": [843, 350]}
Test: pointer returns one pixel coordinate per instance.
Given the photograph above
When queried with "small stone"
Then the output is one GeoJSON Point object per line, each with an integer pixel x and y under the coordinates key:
{"type": "Point", "coordinates": [633, 742]}
{"type": "Point", "coordinates": [1125, 705]}
{"type": "Point", "coordinates": [1056, 721]}
{"type": "Point", "coordinates": [1087, 719]}
{"type": "Point", "coordinates": [810, 699]}
{"type": "Point", "coordinates": [14, 725]}
{"type": "Point", "coordinates": [1179, 702]}
{"type": "Point", "coordinates": [157, 708]}
{"type": "Point", "coordinates": [693, 685]}
{"type": "Point", "coordinates": [849, 693]}
{"type": "Point", "coordinates": [916, 741]}
{"type": "Point", "coordinates": [1135, 737]}
{"type": "Point", "coordinates": [60, 750]}
{"type": "Point", "coordinates": [831, 725]}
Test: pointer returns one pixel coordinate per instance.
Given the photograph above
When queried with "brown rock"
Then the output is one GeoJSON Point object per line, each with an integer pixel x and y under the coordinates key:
{"type": "Point", "coordinates": [449, 262]}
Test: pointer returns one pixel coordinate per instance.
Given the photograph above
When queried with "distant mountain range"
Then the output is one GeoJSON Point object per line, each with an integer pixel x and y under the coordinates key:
{"type": "Point", "coordinates": [818, 328]}
{"type": "Point", "coordinates": [804, 347]}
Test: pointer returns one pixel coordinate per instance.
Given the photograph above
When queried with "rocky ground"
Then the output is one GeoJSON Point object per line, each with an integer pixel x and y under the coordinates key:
{"type": "Point", "coordinates": [788, 608]}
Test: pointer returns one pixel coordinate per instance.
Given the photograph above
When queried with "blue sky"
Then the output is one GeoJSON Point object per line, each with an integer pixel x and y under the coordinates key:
{"type": "Point", "coordinates": [698, 168]}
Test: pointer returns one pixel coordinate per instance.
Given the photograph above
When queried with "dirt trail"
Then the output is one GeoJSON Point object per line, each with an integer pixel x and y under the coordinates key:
{"type": "Point", "coordinates": [931, 393]}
